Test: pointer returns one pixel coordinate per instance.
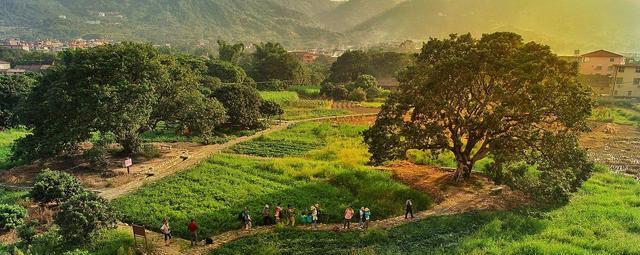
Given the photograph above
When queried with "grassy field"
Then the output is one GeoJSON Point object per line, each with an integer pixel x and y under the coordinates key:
{"type": "Point", "coordinates": [6, 140]}
{"type": "Point", "coordinates": [280, 97]}
{"type": "Point", "coordinates": [602, 218]}
{"type": "Point", "coordinates": [216, 191]}
{"type": "Point", "coordinates": [298, 139]}
{"type": "Point", "coordinates": [306, 91]}
{"type": "Point", "coordinates": [618, 111]}
{"type": "Point", "coordinates": [11, 196]}
{"type": "Point", "coordinates": [307, 109]}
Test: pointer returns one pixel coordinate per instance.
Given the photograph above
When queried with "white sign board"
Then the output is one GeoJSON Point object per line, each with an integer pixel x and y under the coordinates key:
{"type": "Point", "coordinates": [128, 162]}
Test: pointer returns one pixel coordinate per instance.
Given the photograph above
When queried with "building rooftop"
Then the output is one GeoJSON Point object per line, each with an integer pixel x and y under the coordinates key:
{"type": "Point", "coordinates": [601, 53]}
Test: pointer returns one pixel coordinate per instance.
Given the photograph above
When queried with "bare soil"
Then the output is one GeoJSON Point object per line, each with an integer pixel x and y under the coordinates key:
{"type": "Point", "coordinates": [617, 146]}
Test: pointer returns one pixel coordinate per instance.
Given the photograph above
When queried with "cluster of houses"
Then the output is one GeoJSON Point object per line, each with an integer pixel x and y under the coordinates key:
{"type": "Point", "coordinates": [609, 73]}
{"type": "Point", "coordinates": [6, 69]}
{"type": "Point", "coordinates": [51, 45]}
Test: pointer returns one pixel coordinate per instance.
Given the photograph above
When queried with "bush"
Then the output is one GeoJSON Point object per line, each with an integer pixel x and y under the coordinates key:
{"type": "Point", "coordinates": [273, 85]}
{"type": "Point", "coordinates": [374, 92]}
{"type": "Point", "coordinates": [97, 157]}
{"type": "Point", "coordinates": [27, 232]}
{"type": "Point", "coordinates": [82, 215]}
{"type": "Point", "coordinates": [269, 109]}
{"type": "Point", "coordinates": [334, 91]}
{"type": "Point", "coordinates": [242, 104]}
{"type": "Point", "coordinates": [150, 150]}
{"type": "Point", "coordinates": [77, 252]}
{"type": "Point", "coordinates": [54, 186]}
{"type": "Point", "coordinates": [11, 216]}
{"type": "Point", "coordinates": [226, 71]}
{"type": "Point", "coordinates": [358, 94]}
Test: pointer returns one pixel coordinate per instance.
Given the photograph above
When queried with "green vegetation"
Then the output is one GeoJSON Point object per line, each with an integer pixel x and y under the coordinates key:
{"type": "Point", "coordinates": [11, 196]}
{"type": "Point", "coordinates": [306, 91]}
{"type": "Point", "coordinates": [216, 191]}
{"type": "Point", "coordinates": [281, 97]}
{"type": "Point", "coordinates": [298, 139]}
{"type": "Point", "coordinates": [307, 109]}
{"type": "Point", "coordinates": [618, 111]}
{"type": "Point", "coordinates": [6, 141]}
{"type": "Point", "coordinates": [602, 218]}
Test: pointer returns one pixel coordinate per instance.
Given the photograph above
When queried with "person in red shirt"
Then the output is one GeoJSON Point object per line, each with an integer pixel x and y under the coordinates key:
{"type": "Point", "coordinates": [193, 229]}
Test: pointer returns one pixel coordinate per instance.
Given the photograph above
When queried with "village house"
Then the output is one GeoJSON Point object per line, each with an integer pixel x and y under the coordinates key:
{"type": "Point", "coordinates": [626, 80]}
{"type": "Point", "coordinates": [305, 57]}
{"type": "Point", "coordinates": [600, 62]}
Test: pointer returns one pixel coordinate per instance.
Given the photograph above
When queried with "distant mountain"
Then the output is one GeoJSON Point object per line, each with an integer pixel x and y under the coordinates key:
{"type": "Point", "coordinates": [563, 24]}
{"type": "Point", "coordinates": [351, 13]}
{"type": "Point", "coordinates": [181, 22]}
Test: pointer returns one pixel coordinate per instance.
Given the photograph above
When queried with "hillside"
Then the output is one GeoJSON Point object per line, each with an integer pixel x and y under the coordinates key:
{"type": "Point", "coordinates": [179, 22]}
{"type": "Point", "coordinates": [565, 25]}
{"type": "Point", "coordinates": [351, 13]}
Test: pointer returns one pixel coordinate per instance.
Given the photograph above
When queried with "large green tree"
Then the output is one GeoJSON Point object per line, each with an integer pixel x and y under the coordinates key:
{"type": "Point", "coordinates": [230, 52]}
{"type": "Point", "coordinates": [496, 95]}
{"type": "Point", "coordinates": [272, 62]}
{"type": "Point", "coordinates": [14, 90]}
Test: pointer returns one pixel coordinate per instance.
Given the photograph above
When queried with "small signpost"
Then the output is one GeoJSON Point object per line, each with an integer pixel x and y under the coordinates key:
{"type": "Point", "coordinates": [139, 231]}
{"type": "Point", "coordinates": [128, 162]}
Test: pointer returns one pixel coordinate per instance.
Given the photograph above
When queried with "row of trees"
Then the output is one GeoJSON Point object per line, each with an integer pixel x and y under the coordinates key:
{"type": "Point", "coordinates": [123, 90]}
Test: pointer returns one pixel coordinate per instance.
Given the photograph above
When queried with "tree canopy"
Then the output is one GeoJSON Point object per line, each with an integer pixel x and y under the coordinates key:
{"type": "Point", "coordinates": [495, 95]}
{"type": "Point", "coordinates": [273, 62]}
{"type": "Point", "coordinates": [13, 91]}
{"type": "Point", "coordinates": [230, 52]}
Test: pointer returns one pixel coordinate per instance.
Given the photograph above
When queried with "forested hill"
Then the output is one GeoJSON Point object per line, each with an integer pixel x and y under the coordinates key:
{"type": "Point", "coordinates": [563, 24]}
{"type": "Point", "coordinates": [187, 21]}
{"type": "Point", "coordinates": [349, 14]}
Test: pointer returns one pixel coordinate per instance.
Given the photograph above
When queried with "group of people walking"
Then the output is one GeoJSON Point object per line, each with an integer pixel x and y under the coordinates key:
{"type": "Point", "coordinates": [287, 216]}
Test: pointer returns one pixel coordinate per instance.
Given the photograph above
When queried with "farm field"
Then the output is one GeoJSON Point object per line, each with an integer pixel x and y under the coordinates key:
{"type": "Point", "coordinates": [215, 192]}
{"type": "Point", "coordinates": [618, 111]}
{"type": "Point", "coordinates": [298, 139]}
{"type": "Point", "coordinates": [602, 218]}
{"type": "Point", "coordinates": [280, 97]}
{"type": "Point", "coordinates": [6, 140]}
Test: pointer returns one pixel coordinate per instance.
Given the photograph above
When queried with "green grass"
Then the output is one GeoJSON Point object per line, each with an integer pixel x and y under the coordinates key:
{"type": "Point", "coordinates": [307, 109]}
{"type": "Point", "coordinates": [306, 91]}
{"type": "Point", "coordinates": [11, 196]}
{"type": "Point", "coordinates": [297, 139]}
{"type": "Point", "coordinates": [280, 97]}
{"type": "Point", "coordinates": [216, 191]}
{"type": "Point", "coordinates": [618, 111]}
{"type": "Point", "coordinates": [602, 218]}
{"type": "Point", "coordinates": [6, 140]}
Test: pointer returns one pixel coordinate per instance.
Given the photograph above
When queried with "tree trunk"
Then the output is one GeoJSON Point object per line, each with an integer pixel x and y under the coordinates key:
{"type": "Point", "coordinates": [464, 168]}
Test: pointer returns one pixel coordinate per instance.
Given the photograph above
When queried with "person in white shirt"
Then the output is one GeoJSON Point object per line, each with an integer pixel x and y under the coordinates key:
{"type": "Point", "coordinates": [166, 231]}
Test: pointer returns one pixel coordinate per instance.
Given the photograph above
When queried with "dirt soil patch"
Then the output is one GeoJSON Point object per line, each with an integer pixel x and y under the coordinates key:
{"type": "Point", "coordinates": [477, 193]}
{"type": "Point", "coordinates": [617, 146]}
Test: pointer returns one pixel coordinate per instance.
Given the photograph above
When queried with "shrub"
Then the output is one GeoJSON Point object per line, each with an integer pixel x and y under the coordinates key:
{"type": "Point", "coordinates": [54, 186]}
{"type": "Point", "coordinates": [374, 92]}
{"type": "Point", "coordinates": [242, 104]}
{"type": "Point", "coordinates": [77, 252]}
{"type": "Point", "coordinates": [269, 109]}
{"type": "Point", "coordinates": [97, 157]}
{"type": "Point", "coordinates": [49, 242]}
{"type": "Point", "coordinates": [11, 216]}
{"type": "Point", "coordinates": [82, 215]}
{"type": "Point", "coordinates": [334, 91]}
{"type": "Point", "coordinates": [273, 85]}
{"type": "Point", "coordinates": [358, 94]}
{"type": "Point", "coordinates": [150, 150]}
{"type": "Point", "coordinates": [226, 71]}
{"type": "Point", "coordinates": [27, 232]}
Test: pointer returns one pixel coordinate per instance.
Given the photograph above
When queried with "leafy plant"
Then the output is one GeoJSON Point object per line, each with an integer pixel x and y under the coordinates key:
{"type": "Point", "coordinates": [11, 216]}
{"type": "Point", "coordinates": [54, 186]}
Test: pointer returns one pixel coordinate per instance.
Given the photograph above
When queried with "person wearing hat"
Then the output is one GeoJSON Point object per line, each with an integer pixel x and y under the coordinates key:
{"type": "Point", "coordinates": [348, 214]}
{"type": "Point", "coordinates": [367, 217]}
{"type": "Point", "coordinates": [266, 219]}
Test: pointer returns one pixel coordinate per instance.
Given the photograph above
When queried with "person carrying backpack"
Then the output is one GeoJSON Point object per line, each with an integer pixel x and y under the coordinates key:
{"type": "Point", "coordinates": [246, 218]}
{"type": "Point", "coordinates": [348, 214]}
{"type": "Point", "coordinates": [408, 208]}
